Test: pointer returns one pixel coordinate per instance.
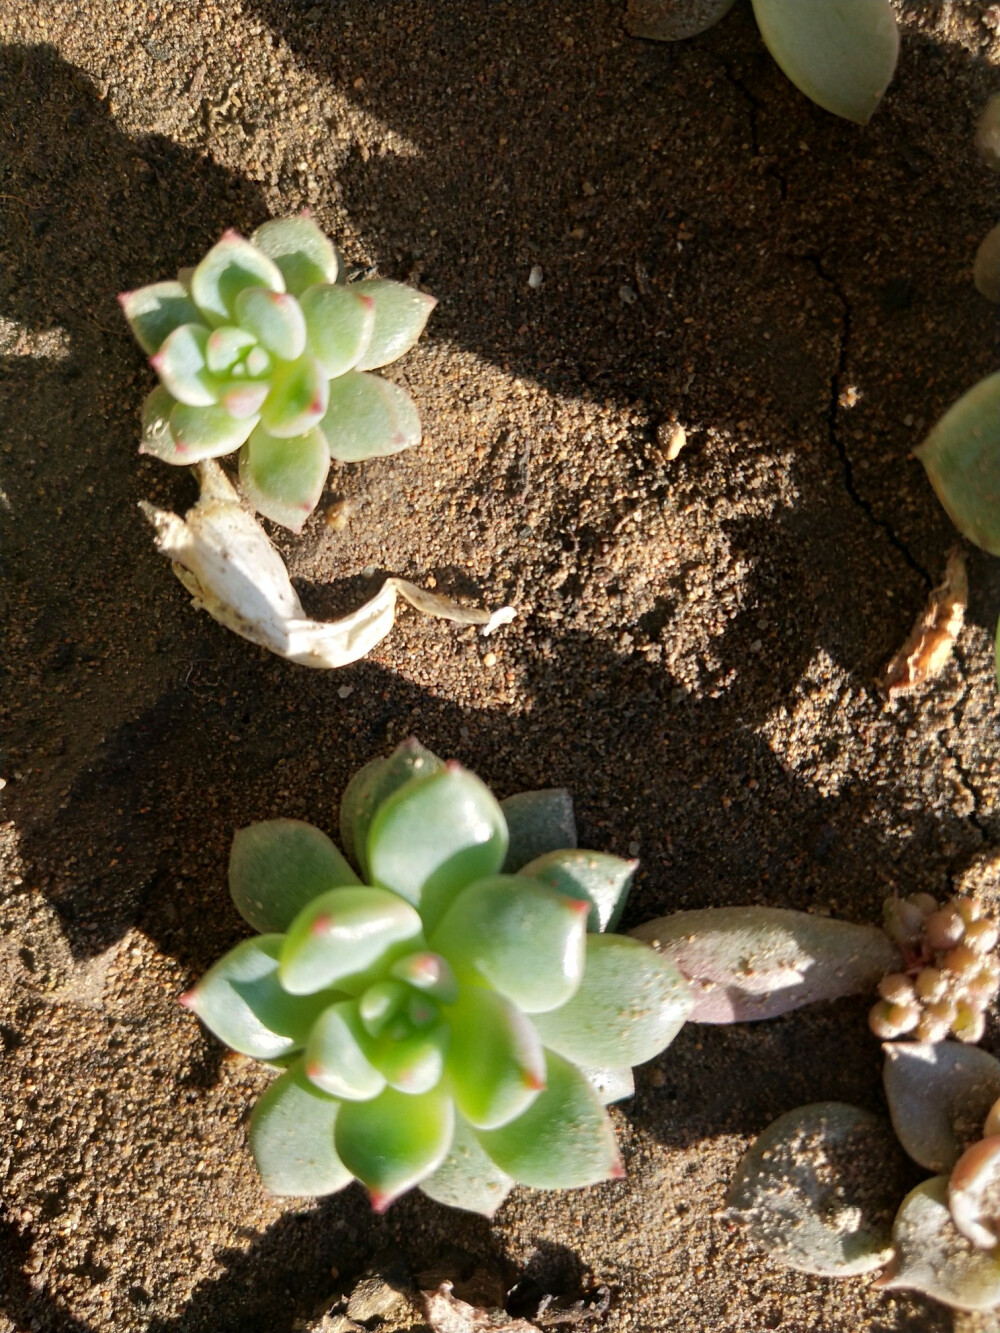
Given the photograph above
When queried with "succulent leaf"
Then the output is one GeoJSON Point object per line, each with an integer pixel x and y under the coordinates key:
{"type": "Point", "coordinates": [986, 266]}
{"type": "Point", "coordinates": [300, 250]}
{"type": "Point", "coordinates": [467, 1178]}
{"type": "Point", "coordinates": [840, 53]}
{"type": "Point", "coordinates": [672, 22]}
{"type": "Point", "coordinates": [433, 836]}
{"type": "Point", "coordinates": [181, 365]}
{"type": "Point", "coordinates": [372, 785]}
{"type": "Point", "coordinates": [563, 1140]}
{"type": "Point", "coordinates": [629, 1006]}
{"type": "Point", "coordinates": [427, 972]}
{"type": "Point", "coordinates": [401, 313]}
{"type": "Point", "coordinates": [340, 934]}
{"type": "Point", "coordinates": [225, 346]}
{"type": "Point", "coordinates": [367, 417]}
{"type": "Point", "coordinates": [595, 877]}
{"type": "Point", "coordinates": [291, 1137]}
{"type": "Point", "coordinates": [154, 312]}
{"type": "Point", "coordinates": [974, 1193]}
{"type": "Point", "coordinates": [412, 1060]}
{"type": "Point", "coordinates": [283, 478]}
{"type": "Point", "coordinates": [518, 936]}
{"type": "Point", "coordinates": [392, 1142]}
{"type": "Point", "coordinates": [157, 438]}
{"type": "Point", "coordinates": [962, 458]}
{"type": "Point", "coordinates": [933, 1257]}
{"type": "Point", "coordinates": [611, 1085]}
{"type": "Point", "coordinates": [206, 432]}
{"type": "Point", "coordinates": [244, 398]}
{"type": "Point", "coordinates": [229, 267]}
{"type": "Point", "coordinates": [339, 321]}
{"type": "Point", "coordinates": [496, 1065]}
{"type": "Point", "coordinates": [537, 822]}
{"type": "Point", "coordinates": [936, 1092]}
{"type": "Point", "coordinates": [298, 398]}
{"type": "Point", "coordinates": [278, 866]}
{"type": "Point", "coordinates": [275, 319]}
{"type": "Point", "coordinates": [337, 1054]}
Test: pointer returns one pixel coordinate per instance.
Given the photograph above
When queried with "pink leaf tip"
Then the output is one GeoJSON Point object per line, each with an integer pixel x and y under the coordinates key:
{"type": "Point", "coordinates": [187, 1000]}
{"type": "Point", "coordinates": [381, 1203]}
{"type": "Point", "coordinates": [322, 924]}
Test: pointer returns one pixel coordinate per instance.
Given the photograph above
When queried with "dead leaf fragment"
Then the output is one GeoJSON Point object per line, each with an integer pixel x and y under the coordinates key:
{"type": "Point", "coordinates": [924, 654]}
{"type": "Point", "coordinates": [447, 1314]}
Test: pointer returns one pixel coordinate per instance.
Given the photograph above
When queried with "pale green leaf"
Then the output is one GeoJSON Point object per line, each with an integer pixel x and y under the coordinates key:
{"type": "Point", "coordinates": [400, 315]}
{"type": "Point", "coordinates": [278, 866]}
{"type": "Point", "coordinates": [300, 250]}
{"type": "Point", "coordinates": [284, 479]}
{"type": "Point", "coordinates": [467, 1178]}
{"type": "Point", "coordinates": [537, 822]}
{"type": "Point", "coordinates": [496, 1065]}
{"type": "Point", "coordinates": [274, 319]}
{"type": "Point", "coordinates": [337, 1054]}
{"type": "Point", "coordinates": [340, 934]}
{"type": "Point", "coordinates": [339, 323]}
{"type": "Point", "coordinates": [595, 877]}
{"type": "Point", "coordinates": [291, 1137]}
{"type": "Point", "coordinates": [367, 417]}
{"type": "Point", "coordinates": [226, 270]}
{"type": "Point", "coordinates": [962, 458]}
{"type": "Point", "coordinates": [154, 312]}
{"type": "Point", "coordinates": [372, 785]}
{"type": "Point", "coordinates": [207, 432]}
{"type": "Point", "coordinates": [298, 398]}
{"type": "Point", "coordinates": [394, 1141]}
{"type": "Point", "coordinates": [181, 365]}
{"type": "Point", "coordinates": [933, 1257]}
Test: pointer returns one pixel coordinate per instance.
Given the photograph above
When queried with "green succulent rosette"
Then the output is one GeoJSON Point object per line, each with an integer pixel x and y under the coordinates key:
{"type": "Point", "coordinates": [453, 1016]}
{"type": "Point", "coordinates": [263, 347]}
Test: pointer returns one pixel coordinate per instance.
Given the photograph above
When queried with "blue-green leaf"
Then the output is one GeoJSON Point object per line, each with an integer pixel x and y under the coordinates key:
{"type": "Point", "coordinates": [467, 1178]}
{"type": "Point", "coordinates": [339, 322]}
{"type": "Point", "coordinates": [394, 1141]}
{"type": "Point", "coordinates": [342, 933]}
{"type": "Point", "coordinates": [291, 1136]}
{"type": "Point", "coordinates": [278, 866]}
{"type": "Point", "coordinates": [284, 479]}
{"type": "Point", "coordinates": [226, 270]}
{"type": "Point", "coordinates": [154, 312]}
{"type": "Point", "coordinates": [300, 250]}
{"type": "Point", "coordinates": [595, 877]}
{"type": "Point", "coordinates": [537, 822]}
{"type": "Point", "coordinates": [962, 458]}
{"type": "Point", "coordinates": [367, 417]}
{"type": "Point", "coordinates": [400, 315]}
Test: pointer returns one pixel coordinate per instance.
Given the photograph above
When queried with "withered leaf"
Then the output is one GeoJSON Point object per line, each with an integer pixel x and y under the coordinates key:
{"type": "Point", "coordinates": [925, 653]}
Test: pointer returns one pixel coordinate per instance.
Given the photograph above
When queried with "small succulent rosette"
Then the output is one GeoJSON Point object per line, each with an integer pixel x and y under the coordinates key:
{"type": "Point", "coordinates": [263, 347]}
{"type": "Point", "coordinates": [456, 1018]}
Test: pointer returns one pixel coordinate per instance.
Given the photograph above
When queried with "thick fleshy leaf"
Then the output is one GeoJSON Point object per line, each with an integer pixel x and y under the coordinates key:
{"type": "Point", "coordinates": [563, 1140]}
{"type": "Point", "coordinates": [840, 53]}
{"type": "Point", "coordinates": [242, 1001]}
{"type": "Point", "coordinates": [340, 934]}
{"type": "Point", "coordinates": [278, 866]}
{"type": "Point", "coordinates": [298, 398]}
{"type": "Point", "coordinates": [283, 479]}
{"type": "Point", "coordinates": [274, 319]}
{"type": "Point", "coordinates": [226, 270]}
{"type": "Point", "coordinates": [933, 1257]}
{"type": "Point", "coordinates": [157, 438]}
{"type": "Point", "coordinates": [412, 1061]}
{"type": "Point", "coordinates": [467, 1178]}
{"type": "Point", "coordinates": [749, 963]}
{"type": "Point", "coordinates": [207, 432]}
{"type": "Point", "coordinates": [400, 315]}
{"type": "Point", "coordinates": [154, 312]}
{"type": "Point", "coordinates": [986, 265]}
{"type": "Point", "coordinates": [336, 1054]}
{"type": "Point", "coordinates": [537, 822]}
{"type": "Point", "coordinates": [291, 1137]}
{"type": "Point", "coordinates": [496, 1065]}
{"type": "Point", "coordinates": [962, 458]}
{"type": "Point", "coordinates": [519, 937]}
{"type": "Point", "coordinates": [427, 972]}
{"type": "Point", "coordinates": [668, 21]}
{"type": "Point", "coordinates": [817, 1190]}
{"type": "Point", "coordinates": [300, 250]}
{"type": "Point", "coordinates": [181, 365]}
{"type": "Point", "coordinates": [593, 877]}
{"type": "Point", "coordinates": [226, 345]}
{"type": "Point", "coordinates": [374, 784]}
{"type": "Point", "coordinates": [611, 1085]}
{"type": "Point", "coordinates": [339, 323]}
{"type": "Point", "coordinates": [394, 1141]}
{"type": "Point", "coordinates": [938, 1097]}
{"type": "Point", "coordinates": [367, 417]}
{"type": "Point", "coordinates": [244, 398]}
{"type": "Point", "coordinates": [629, 1006]}
{"type": "Point", "coordinates": [433, 836]}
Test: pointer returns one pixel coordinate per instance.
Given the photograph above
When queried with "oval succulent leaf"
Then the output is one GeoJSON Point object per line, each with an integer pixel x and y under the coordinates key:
{"type": "Point", "coordinates": [392, 1142]}
{"type": "Point", "coordinates": [467, 1178]}
{"type": "Point", "coordinates": [593, 877]}
{"type": "Point", "coordinates": [226, 270]}
{"type": "Point", "coordinates": [611, 1085]}
{"type": "Point", "coordinates": [537, 822]}
{"type": "Point", "coordinates": [562, 1141]}
{"type": "Point", "coordinates": [340, 934]}
{"type": "Point", "coordinates": [300, 250]}
{"type": "Point", "coordinates": [154, 312]}
{"type": "Point", "coordinates": [225, 346]}
{"type": "Point", "coordinates": [496, 1065]}
{"type": "Point", "coordinates": [367, 417]}
{"type": "Point", "coordinates": [206, 432]}
{"type": "Point", "coordinates": [278, 866]}
{"type": "Point", "coordinates": [933, 1257]}
{"type": "Point", "coordinates": [962, 458]}
{"type": "Point", "coordinates": [298, 398]}
{"type": "Point", "coordinates": [401, 313]}
{"type": "Point", "coordinates": [841, 53]}
{"type": "Point", "coordinates": [291, 1137]}
{"type": "Point", "coordinates": [939, 1095]}
{"type": "Point", "coordinates": [629, 1006]}
{"type": "Point", "coordinates": [274, 319]}
{"type": "Point", "coordinates": [986, 266]}
{"type": "Point", "coordinates": [181, 365]}
{"type": "Point", "coordinates": [339, 321]}
{"type": "Point", "coordinates": [668, 21]}
{"type": "Point", "coordinates": [412, 1062]}
{"type": "Point", "coordinates": [520, 937]}
{"type": "Point", "coordinates": [337, 1054]}
{"type": "Point", "coordinates": [284, 479]}
{"type": "Point", "coordinates": [372, 785]}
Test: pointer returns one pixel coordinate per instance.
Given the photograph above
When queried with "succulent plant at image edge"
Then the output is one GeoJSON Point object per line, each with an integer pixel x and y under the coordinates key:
{"type": "Point", "coordinates": [457, 1017]}
{"type": "Point", "coordinates": [263, 347]}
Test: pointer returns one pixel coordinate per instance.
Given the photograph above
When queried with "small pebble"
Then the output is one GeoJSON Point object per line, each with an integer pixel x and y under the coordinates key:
{"type": "Point", "coordinates": [536, 277]}
{"type": "Point", "coordinates": [345, 691]}
{"type": "Point", "coordinates": [489, 659]}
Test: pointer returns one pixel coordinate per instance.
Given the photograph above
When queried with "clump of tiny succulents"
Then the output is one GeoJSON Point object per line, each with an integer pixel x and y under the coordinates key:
{"type": "Point", "coordinates": [264, 347]}
{"type": "Point", "coordinates": [455, 1015]}
{"type": "Point", "coordinates": [951, 972]}
{"type": "Point", "coordinates": [842, 56]}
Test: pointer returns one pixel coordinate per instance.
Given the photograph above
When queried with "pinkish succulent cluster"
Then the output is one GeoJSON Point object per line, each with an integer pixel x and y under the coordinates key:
{"type": "Point", "coordinates": [951, 970]}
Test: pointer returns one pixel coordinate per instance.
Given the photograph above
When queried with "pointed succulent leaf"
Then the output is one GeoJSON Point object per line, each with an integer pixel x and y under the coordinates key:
{"type": "Point", "coordinates": [818, 1188]}
{"type": "Point", "coordinates": [394, 1141]}
{"type": "Point", "coordinates": [337, 1054]}
{"type": "Point", "coordinates": [412, 1061]}
{"type": "Point", "coordinates": [283, 479]}
{"type": "Point", "coordinates": [749, 963]}
{"type": "Point", "coordinates": [374, 784]}
{"type": "Point", "coordinates": [242, 1001]}
{"type": "Point", "coordinates": [962, 458]}
{"type": "Point", "coordinates": [563, 1140]}
{"type": "Point", "coordinates": [341, 933]}
{"type": "Point", "coordinates": [367, 417]}
{"type": "Point", "coordinates": [157, 438]}
{"type": "Point", "coordinates": [939, 1095]}
{"type": "Point", "coordinates": [429, 973]}
{"type": "Point", "coordinates": [228, 267]}
{"type": "Point", "coordinates": [611, 1085]}
{"type": "Point", "coordinates": [537, 822]}
{"type": "Point", "coordinates": [467, 1178]}
{"type": "Point", "coordinates": [433, 836]}
{"type": "Point", "coordinates": [274, 319]}
{"type": "Point", "coordinates": [496, 1065]}
{"type": "Point", "coordinates": [225, 346]}
{"type": "Point", "coordinates": [291, 1137]}
{"type": "Point", "coordinates": [207, 432]}
{"type": "Point", "coordinates": [629, 1006]}
{"type": "Point", "coordinates": [400, 315]}
{"type": "Point", "coordinates": [933, 1257]}
{"type": "Point", "coordinates": [840, 53]}
{"type": "Point", "coordinates": [593, 877]}
{"type": "Point", "coordinates": [519, 937]}
{"type": "Point", "coordinates": [278, 866]}
{"type": "Point", "coordinates": [672, 22]}
{"type": "Point", "coordinates": [298, 398]}
{"type": "Point", "coordinates": [300, 250]}
{"type": "Point", "coordinates": [243, 398]}
{"type": "Point", "coordinates": [154, 312]}
{"type": "Point", "coordinates": [339, 323]}
{"type": "Point", "coordinates": [181, 365]}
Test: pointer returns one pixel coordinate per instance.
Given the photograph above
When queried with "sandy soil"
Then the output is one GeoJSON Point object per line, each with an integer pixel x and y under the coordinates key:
{"type": "Point", "coordinates": [697, 639]}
